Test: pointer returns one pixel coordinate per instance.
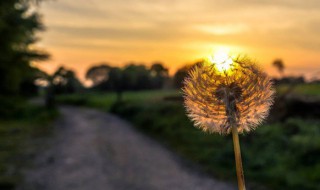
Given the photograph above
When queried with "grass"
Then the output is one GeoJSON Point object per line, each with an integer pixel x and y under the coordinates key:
{"type": "Point", "coordinates": [303, 89]}
{"type": "Point", "coordinates": [16, 142]}
{"type": "Point", "coordinates": [104, 101]}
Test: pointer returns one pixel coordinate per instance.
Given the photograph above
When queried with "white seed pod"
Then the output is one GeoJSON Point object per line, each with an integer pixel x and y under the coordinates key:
{"type": "Point", "coordinates": [215, 100]}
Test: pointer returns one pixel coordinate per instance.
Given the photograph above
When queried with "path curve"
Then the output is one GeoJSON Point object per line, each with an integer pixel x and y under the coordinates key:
{"type": "Point", "coordinates": [95, 150]}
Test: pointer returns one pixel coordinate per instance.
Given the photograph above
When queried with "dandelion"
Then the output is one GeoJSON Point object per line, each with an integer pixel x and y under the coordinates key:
{"type": "Point", "coordinates": [228, 95]}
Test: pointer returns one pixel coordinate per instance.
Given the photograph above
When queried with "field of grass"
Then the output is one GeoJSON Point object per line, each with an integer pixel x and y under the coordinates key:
{"type": "Point", "coordinates": [280, 155]}
{"type": "Point", "coordinates": [104, 101]}
{"type": "Point", "coordinates": [17, 136]}
{"type": "Point", "coordinates": [303, 89]}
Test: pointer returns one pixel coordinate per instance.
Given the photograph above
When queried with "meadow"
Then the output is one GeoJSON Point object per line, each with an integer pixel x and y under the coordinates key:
{"type": "Point", "coordinates": [277, 155]}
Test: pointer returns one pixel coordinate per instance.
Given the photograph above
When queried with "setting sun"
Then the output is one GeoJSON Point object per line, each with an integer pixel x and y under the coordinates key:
{"type": "Point", "coordinates": [221, 60]}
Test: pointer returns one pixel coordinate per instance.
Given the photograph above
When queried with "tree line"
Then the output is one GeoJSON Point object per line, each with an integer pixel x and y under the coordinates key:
{"type": "Point", "coordinates": [131, 77]}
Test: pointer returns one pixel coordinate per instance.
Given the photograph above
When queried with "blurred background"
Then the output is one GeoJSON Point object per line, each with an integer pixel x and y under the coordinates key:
{"type": "Point", "coordinates": [129, 58]}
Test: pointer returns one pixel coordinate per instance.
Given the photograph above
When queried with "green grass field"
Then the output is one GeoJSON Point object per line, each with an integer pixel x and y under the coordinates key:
{"type": "Point", "coordinates": [104, 101]}
{"type": "Point", "coordinates": [280, 155]}
{"type": "Point", "coordinates": [303, 89]}
{"type": "Point", "coordinates": [17, 136]}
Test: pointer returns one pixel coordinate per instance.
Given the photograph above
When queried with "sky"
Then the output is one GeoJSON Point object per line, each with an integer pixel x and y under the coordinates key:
{"type": "Point", "coordinates": [83, 33]}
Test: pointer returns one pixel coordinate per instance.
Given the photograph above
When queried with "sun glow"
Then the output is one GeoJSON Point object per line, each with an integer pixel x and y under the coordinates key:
{"type": "Point", "coordinates": [221, 60]}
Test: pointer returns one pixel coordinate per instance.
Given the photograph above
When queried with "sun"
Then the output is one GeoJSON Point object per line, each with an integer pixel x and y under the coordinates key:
{"type": "Point", "coordinates": [221, 60]}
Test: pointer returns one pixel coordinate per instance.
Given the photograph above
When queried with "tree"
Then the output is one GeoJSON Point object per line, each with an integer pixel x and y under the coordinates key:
{"type": "Point", "coordinates": [136, 77]}
{"type": "Point", "coordinates": [181, 73]}
{"type": "Point", "coordinates": [98, 74]}
{"type": "Point", "coordinates": [159, 74]}
{"type": "Point", "coordinates": [18, 26]}
{"type": "Point", "coordinates": [116, 82]}
{"type": "Point", "coordinates": [64, 81]}
{"type": "Point", "coordinates": [28, 86]}
{"type": "Point", "coordinates": [278, 63]}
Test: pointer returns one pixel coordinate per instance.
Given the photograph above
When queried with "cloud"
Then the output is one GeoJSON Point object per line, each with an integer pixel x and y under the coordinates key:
{"type": "Point", "coordinates": [223, 29]}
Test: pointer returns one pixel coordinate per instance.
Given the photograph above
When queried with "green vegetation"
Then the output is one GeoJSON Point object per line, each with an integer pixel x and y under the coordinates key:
{"type": "Point", "coordinates": [303, 89]}
{"type": "Point", "coordinates": [19, 24]}
{"type": "Point", "coordinates": [17, 137]}
{"type": "Point", "coordinates": [104, 101]}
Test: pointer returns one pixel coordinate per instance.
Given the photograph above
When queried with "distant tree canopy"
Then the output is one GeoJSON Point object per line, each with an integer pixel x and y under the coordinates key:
{"type": "Point", "coordinates": [131, 77]}
{"type": "Point", "coordinates": [159, 74]}
{"type": "Point", "coordinates": [18, 26]}
{"type": "Point", "coordinates": [28, 86]}
{"type": "Point", "coordinates": [181, 73]}
{"type": "Point", "coordinates": [98, 74]}
{"type": "Point", "coordinates": [64, 81]}
{"type": "Point", "coordinates": [278, 63]}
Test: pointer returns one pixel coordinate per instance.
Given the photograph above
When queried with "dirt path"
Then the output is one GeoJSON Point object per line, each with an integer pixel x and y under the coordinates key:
{"type": "Point", "coordinates": [92, 150]}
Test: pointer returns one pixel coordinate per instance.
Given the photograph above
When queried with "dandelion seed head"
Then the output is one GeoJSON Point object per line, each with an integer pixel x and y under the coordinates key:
{"type": "Point", "coordinates": [217, 97]}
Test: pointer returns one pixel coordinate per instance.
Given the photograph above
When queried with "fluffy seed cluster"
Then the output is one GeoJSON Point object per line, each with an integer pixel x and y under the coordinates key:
{"type": "Point", "coordinates": [217, 100]}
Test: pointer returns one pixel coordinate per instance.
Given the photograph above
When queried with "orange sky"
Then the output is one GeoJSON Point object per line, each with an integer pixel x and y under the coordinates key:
{"type": "Point", "coordinates": [81, 33]}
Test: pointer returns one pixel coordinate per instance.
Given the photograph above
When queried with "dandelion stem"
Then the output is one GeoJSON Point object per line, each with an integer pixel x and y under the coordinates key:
{"type": "Point", "coordinates": [237, 154]}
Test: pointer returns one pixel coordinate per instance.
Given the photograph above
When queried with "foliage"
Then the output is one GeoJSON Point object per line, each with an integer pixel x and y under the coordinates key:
{"type": "Point", "coordinates": [65, 81]}
{"type": "Point", "coordinates": [98, 74]}
{"type": "Point", "coordinates": [278, 63]}
{"type": "Point", "coordinates": [131, 77]}
{"type": "Point", "coordinates": [18, 26]}
{"type": "Point", "coordinates": [159, 75]}
{"type": "Point", "coordinates": [181, 74]}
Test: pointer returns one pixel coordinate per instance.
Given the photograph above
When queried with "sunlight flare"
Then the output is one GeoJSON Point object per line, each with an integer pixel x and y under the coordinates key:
{"type": "Point", "coordinates": [222, 61]}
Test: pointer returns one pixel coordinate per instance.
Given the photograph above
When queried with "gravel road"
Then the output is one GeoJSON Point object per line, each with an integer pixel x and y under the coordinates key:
{"type": "Point", "coordinates": [92, 150]}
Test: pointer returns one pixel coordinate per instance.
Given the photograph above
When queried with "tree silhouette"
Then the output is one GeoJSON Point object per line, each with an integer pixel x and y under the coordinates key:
{"type": "Point", "coordinates": [130, 77]}
{"type": "Point", "coordinates": [64, 81]}
{"type": "Point", "coordinates": [136, 77]}
{"type": "Point", "coordinates": [98, 74]}
{"type": "Point", "coordinates": [278, 63]}
{"type": "Point", "coordinates": [159, 74]}
{"type": "Point", "coordinates": [181, 73]}
{"type": "Point", "coordinates": [18, 26]}
{"type": "Point", "coordinates": [116, 82]}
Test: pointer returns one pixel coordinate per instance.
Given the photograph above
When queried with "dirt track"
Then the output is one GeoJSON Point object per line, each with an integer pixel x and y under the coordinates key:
{"type": "Point", "coordinates": [92, 150]}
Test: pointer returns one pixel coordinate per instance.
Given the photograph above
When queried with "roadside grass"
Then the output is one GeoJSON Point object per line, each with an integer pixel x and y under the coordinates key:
{"type": "Point", "coordinates": [17, 136]}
